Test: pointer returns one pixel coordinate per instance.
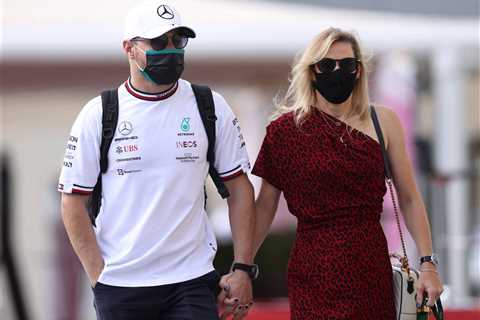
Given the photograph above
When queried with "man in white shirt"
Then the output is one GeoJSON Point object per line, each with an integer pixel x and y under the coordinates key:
{"type": "Point", "coordinates": [150, 254]}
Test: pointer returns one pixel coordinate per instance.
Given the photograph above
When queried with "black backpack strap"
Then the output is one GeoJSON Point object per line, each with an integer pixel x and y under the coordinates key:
{"type": "Point", "coordinates": [109, 125]}
{"type": "Point", "coordinates": [378, 130]}
{"type": "Point", "coordinates": [206, 107]}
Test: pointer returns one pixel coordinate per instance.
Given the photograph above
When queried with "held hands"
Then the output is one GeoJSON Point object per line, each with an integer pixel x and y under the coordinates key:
{"type": "Point", "coordinates": [429, 284]}
{"type": "Point", "coordinates": [236, 295]}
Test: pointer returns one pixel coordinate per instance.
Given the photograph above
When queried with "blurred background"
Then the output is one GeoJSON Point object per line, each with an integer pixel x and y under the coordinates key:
{"type": "Point", "coordinates": [56, 55]}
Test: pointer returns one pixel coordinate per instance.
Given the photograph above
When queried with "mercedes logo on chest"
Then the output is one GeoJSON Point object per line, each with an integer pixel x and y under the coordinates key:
{"type": "Point", "coordinates": [125, 128]}
{"type": "Point", "coordinates": [165, 12]}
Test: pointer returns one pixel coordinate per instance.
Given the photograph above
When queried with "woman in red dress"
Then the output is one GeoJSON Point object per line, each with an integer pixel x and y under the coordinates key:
{"type": "Point", "coordinates": [322, 152]}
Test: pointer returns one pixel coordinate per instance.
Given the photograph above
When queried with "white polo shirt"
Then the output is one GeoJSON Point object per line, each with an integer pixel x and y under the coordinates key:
{"type": "Point", "coordinates": [152, 228]}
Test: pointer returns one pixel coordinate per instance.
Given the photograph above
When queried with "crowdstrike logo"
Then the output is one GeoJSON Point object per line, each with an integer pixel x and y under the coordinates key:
{"type": "Point", "coordinates": [165, 12]}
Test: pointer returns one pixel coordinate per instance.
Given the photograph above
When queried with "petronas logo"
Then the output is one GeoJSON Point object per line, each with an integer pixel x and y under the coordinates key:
{"type": "Point", "coordinates": [185, 126]}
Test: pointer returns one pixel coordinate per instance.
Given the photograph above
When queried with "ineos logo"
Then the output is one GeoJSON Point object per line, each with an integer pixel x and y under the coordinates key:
{"type": "Point", "coordinates": [165, 12]}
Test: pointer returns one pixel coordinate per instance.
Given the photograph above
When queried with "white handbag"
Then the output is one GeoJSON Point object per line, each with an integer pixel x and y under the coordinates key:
{"type": "Point", "coordinates": [404, 291]}
{"type": "Point", "coordinates": [404, 277]}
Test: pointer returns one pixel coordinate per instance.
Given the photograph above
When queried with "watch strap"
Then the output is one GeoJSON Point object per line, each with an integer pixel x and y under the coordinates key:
{"type": "Point", "coordinates": [250, 269]}
{"type": "Point", "coordinates": [430, 259]}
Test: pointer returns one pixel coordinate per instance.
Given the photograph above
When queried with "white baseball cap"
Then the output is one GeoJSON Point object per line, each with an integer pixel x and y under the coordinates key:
{"type": "Point", "coordinates": [152, 19]}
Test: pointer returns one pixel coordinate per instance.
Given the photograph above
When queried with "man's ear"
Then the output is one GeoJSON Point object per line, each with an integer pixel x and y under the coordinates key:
{"type": "Point", "coordinates": [128, 49]}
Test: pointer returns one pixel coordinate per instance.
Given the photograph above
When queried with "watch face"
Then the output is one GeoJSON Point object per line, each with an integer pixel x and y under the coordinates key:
{"type": "Point", "coordinates": [433, 259]}
{"type": "Point", "coordinates": [255, 272]}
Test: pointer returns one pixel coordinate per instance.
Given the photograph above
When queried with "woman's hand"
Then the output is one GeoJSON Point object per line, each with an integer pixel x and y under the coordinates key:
{"type": "Point", "coordinates": [236, 295]}
{"type": "Point", "coordinates": [429, 284]}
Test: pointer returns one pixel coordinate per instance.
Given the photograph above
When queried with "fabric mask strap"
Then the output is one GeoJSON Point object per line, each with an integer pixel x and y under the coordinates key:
{"type": "Point", "coordinates": [160, 52]}
{"type": "Point", "coordinates": [136, 63]}
{"type": "Point", "coordinates": [164, 51]}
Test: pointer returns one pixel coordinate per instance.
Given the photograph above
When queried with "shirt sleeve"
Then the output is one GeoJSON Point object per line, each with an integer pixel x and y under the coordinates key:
{"type": "Point", "coordinates": [82, 155]}
{"type": "Point", "coordinates": [231, 158]}
{"type": "Point", "coordinates": [266, 165]}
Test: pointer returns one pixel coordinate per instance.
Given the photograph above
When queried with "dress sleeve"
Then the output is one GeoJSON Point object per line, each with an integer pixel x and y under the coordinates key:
{"type": "Point", "coordinates": [82, 155]}
{"type": "Point", "coordinates": [266, 166]}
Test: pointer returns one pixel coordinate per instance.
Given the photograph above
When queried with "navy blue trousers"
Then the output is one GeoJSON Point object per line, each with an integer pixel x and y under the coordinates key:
{"type": "Point", "coordinates": [190, 300]}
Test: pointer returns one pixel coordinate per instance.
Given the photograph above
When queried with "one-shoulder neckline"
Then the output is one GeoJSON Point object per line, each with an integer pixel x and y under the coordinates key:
{"type": "Point", "coordinates": [370, 138]}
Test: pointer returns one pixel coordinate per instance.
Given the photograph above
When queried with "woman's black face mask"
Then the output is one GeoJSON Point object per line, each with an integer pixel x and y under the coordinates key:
{"type": "Point", "coordinates": [336, 86]}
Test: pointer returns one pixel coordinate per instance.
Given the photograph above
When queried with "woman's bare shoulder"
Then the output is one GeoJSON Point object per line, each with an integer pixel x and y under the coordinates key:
{"type": "Point", "coordinates": [387, 117]}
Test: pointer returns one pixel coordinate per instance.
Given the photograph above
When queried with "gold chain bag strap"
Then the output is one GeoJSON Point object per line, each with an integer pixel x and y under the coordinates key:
{"type": "Point", "coordinates": [404, 277]}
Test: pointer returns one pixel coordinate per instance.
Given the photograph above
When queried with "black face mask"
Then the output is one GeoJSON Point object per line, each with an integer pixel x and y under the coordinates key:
{"type": "Point", "coordinates": [164, 66]}
{"type": "Point", "coordinates": [336, 87]}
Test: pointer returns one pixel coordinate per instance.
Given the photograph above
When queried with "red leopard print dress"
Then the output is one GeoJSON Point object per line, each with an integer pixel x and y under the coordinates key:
{"type": "Point", "coordinates": [339, 266]}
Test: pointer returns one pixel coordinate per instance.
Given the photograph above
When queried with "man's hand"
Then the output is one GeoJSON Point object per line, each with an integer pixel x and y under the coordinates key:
{"type": "Point", "coordinates": [93, 275]}
{"type": "Point", "coordinates": [81, 234]}
{"type": "Point", "coordinates": [236, 295]}
{"type": "Point", "coordinates": [237, 286]}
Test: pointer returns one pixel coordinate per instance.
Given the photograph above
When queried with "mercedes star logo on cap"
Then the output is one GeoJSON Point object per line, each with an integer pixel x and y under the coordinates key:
{"type": "Point", "coordinates": [125, 128]}
{"type": "Point", "coordinates": [165, 12]}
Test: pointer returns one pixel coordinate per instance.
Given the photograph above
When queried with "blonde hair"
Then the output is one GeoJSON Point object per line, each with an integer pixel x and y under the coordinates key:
{"type": "Point", "coordinates": [300, 97]}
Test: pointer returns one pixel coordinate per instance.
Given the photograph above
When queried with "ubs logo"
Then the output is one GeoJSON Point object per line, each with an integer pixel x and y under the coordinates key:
{"type": "Point", "coordinates": [126, 148]}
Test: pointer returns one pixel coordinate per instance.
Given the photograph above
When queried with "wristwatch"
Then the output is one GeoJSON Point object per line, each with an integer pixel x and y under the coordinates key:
{"type": "Point", "coordinates": [432, 259]}
{"type": "Point", "coordinates": [251, 269]}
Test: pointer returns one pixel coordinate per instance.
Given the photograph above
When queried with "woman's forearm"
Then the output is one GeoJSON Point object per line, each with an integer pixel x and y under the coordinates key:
{"type": "Point", "coordinates": [265, 213]}
{"type": "Point", "coordinates": [417, 224]}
